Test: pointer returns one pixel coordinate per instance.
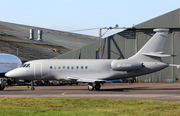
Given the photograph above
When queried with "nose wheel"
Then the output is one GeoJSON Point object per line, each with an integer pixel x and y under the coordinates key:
{"type": "Point", "coordinates": [1, 88]}
{"type": "Point", "coordinates": [32, 86]}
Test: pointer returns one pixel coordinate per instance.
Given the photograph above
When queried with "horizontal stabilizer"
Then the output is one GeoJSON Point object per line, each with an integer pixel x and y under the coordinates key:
{"type": "Point", "coordinates": [156, 54]}
{"type": "Point", "coordinates": [175, 65]}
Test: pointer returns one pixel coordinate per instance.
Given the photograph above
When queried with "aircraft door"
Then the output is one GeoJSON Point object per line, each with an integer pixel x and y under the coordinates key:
{"type": "Point", "coordinates": [38, 70]}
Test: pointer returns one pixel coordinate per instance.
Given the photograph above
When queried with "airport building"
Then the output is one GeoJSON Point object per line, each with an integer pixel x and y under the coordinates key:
{"type": "Point", "coordinates": [126, 43]}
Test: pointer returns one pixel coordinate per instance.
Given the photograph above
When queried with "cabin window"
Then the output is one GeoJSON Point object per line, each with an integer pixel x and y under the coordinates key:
{"type": "Point", "coordinates": [67, 67]}
{"type": "Point", "coordinates": [86, 67]}
{"type": "Point", "coordinates": [81, 67]}
{"type": "Point", "coordinates": [77, 67]}
{"type": "Point", "coordinates": [63, 67]}
{"type": "Point", "coordinates": [59, 67]}
{"type": "Point", "coordinates": [54, 67]}
{"type": "Point", "coordinates": [50, 67]}
{"type": "Point", "coordinates": [72, 67]}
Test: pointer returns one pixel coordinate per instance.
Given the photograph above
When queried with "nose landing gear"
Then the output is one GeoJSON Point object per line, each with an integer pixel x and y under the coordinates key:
{"type": "Point", "coordinates": [32, 86]}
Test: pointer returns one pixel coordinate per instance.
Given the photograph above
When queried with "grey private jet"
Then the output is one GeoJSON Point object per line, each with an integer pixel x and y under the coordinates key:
{"type": "Point", "coordinates": [98, 71]}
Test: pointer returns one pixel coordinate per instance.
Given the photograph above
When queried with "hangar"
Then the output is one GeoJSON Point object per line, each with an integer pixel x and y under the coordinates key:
{"type": "Point", "coordinates": [126, 43]}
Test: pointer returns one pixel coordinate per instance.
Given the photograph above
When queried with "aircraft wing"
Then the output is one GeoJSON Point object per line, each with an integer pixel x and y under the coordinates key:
{"type": "Point", "coordinates": [85, 79]}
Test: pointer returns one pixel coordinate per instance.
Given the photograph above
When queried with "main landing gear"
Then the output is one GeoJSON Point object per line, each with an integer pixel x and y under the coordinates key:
{"type": "Point", "coordinates": [91, 87]}
{"type": "Point", "coordinates": [32, 86]}
{"type": "Point", "coordinates": [1, 87]}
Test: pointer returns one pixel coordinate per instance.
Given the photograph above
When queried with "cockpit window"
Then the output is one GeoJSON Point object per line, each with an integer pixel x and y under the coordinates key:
{"type": "Point", "coordinates": [28, 65]}
{"type": "Point", "coordinates": [24, 65]}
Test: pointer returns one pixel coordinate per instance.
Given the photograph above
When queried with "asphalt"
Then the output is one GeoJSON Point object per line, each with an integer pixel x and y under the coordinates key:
{"type": "Point", "coordinates": [139, 91]}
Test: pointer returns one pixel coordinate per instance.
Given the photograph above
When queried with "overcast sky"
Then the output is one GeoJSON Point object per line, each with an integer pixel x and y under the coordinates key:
{"type": "Point", "coordinates": [68, 15]}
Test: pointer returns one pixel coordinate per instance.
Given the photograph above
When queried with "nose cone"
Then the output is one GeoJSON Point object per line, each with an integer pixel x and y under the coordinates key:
{"type": "Point", "coordinates": [12, 74]}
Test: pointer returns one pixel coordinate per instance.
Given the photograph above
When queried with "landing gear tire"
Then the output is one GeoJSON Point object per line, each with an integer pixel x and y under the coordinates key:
{"type": "Point", "coordinates": [90, 87]}
{"type": "Point", "coordinates": [77, 83]}
{"type": "Point", "coordinates": [97, 86]}
{"type": "Point", "coordinates": [130, 81]}
{"type": "Point", "coordinates": [1, 87]}
{"type": "Point", "coordinates": [32, 88]}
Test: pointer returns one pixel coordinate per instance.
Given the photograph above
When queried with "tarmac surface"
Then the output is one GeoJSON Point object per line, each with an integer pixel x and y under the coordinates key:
{"type": "Point", "coordinates": [139, 91]}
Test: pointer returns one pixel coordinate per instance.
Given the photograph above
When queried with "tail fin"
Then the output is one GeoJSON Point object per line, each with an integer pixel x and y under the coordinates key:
{"type": "Point", "coordinates": [154, 47]}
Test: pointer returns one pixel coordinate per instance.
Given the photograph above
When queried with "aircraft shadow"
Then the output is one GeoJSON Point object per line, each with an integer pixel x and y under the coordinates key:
{"type": "Point", "coordinates": [138, 88]}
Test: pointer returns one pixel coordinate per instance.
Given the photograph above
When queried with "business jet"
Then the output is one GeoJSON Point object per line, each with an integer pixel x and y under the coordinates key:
{"type": "Point", "coordinates": [97, 71]}
{"type": "Point", "coordinates": [8, 62]}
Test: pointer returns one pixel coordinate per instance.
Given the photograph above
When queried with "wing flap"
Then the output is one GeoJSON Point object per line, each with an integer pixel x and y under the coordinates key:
{"type": "Point", "coordinates": [88, 80]}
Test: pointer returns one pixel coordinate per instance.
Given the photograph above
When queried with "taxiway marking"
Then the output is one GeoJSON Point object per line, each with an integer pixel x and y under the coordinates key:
{"type": "Point", "coordinates": [18, 86]}
{"type": "Point", "coordinates": [64, 93]}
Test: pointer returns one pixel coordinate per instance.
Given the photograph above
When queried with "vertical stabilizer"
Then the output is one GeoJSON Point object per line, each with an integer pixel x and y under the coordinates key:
{"type": "Point", "coordinates": [154, 47]}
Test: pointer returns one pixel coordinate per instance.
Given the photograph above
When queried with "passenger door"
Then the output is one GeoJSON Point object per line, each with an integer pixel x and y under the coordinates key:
{"type": "Point", "coordinates": [38, 70]}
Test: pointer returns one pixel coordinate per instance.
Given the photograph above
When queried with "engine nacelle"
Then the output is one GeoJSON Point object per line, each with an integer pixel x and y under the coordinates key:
{"type": "Point", "coordinates": [126, 65]}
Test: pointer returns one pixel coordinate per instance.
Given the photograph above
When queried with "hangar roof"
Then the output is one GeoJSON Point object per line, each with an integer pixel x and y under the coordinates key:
{"type": "Point", "coordinates": [168, 20]}
{"type": "Point", "coordinates": [55, 37]}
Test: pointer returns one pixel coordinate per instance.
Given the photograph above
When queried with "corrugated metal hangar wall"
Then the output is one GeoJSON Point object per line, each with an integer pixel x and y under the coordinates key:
{"type": "Point", "coordinates": [125, 44]}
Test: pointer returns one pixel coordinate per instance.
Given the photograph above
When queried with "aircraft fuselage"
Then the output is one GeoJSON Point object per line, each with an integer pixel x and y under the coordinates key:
{"type": "Point", "coordinates": [94, 68]}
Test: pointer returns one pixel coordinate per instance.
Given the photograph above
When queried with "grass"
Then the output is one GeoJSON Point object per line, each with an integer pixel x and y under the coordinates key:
{"type": "Point", "coordinates": [85, 107]}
